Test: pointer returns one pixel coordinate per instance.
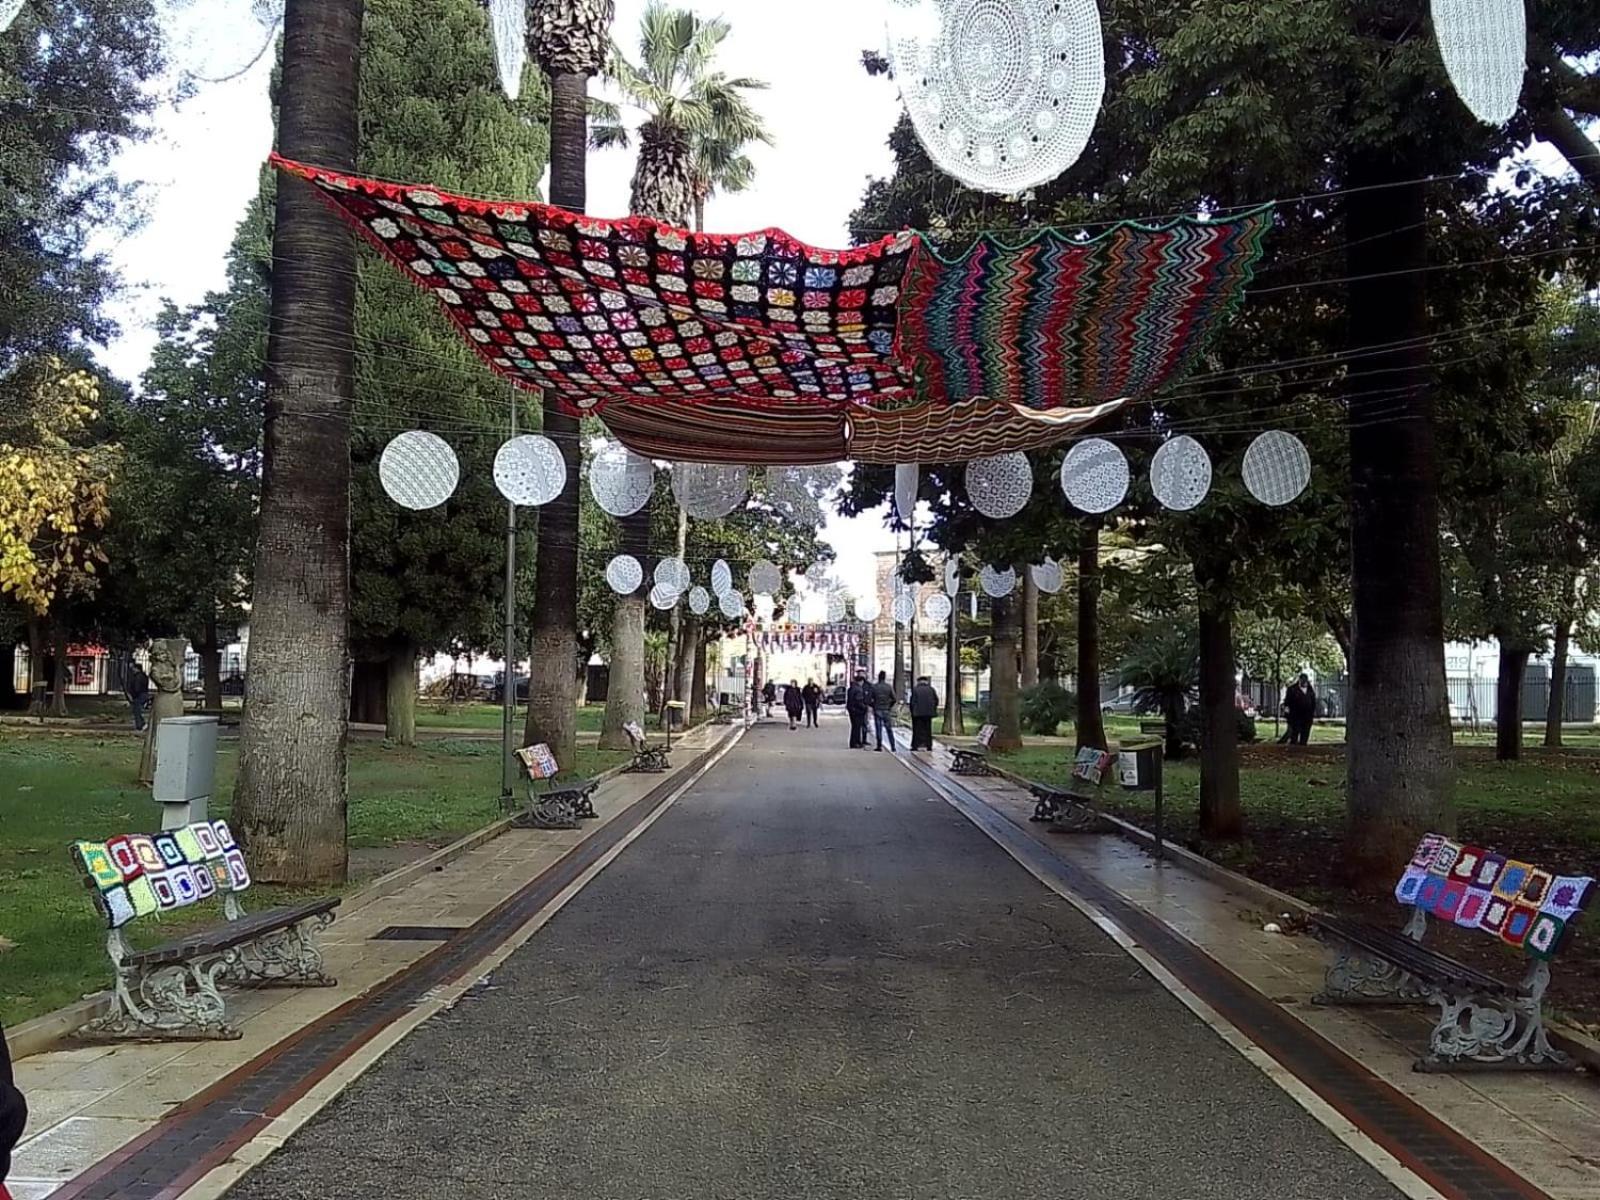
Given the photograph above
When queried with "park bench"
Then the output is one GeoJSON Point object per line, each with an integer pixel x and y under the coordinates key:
{"type": "Point", "coordinates": [170, 991]}
{"type": "Point", "coordinates": [552, 805]}
{"type": "Point", "coordinates": [973, 761]}
{"type": "Point", "coordinates": [724, 714]}
{"type": "Point", "coordinates": [646, 758]}
{"type": "Point", "coordinates": [1075, 806]}
{"type": "Point", "coordinates": [1157, 728]}
{"type": "Point", "coordinates": [1483, 1021]}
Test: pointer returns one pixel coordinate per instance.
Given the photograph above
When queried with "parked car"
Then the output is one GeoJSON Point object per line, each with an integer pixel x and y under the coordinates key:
{"type": "Point", "coordinates": [497, 690]}
{"type": "Point", "coordinates": [1121, 706]}
{"type": "Point", "coordinates": [836, 694]}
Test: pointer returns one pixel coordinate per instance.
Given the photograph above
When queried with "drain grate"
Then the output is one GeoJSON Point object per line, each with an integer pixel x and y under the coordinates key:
{"type": "Point", "coordinates": [416, 933]}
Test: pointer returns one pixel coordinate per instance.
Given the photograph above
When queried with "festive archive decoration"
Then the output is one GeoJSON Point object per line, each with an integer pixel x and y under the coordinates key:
{"type": "Point", "coordinates": [1277, 468]}
{"type": "Point", "coordinates": [952, 575]}
{"type": "Point", "coordinates": [624, 574]}
{"type": "Point", "coordinates": [418, 470]}
{"type": "Point", "coordinates": [663, 598]}
{"type": "Point", "coordinates": [529, 470]}
{"type": "Point", "coordinates": [672, 574]}
{"type": "Point", "coordinates": [817, 573]}
{"type": "Point", "coordinates": [709, 491]}
{"type": "Point", "coordinates": [1484, 44]}
{"type": "Point", "coordinates": [905, 491]}
{"type": "Point", "coordinates": [788, 638]}
{"type": "Point", "coordinates": [1002, 93]}
{"type": "Point", "coordinates": [508, 20]}
{"type": "Point", "coordinates": [998, 583]}
{"type": "Point", "coordinates": [1180, 473]}
{"type": "Point", "coordinates": [699, 600]}
{"type": "Point", "coordinates": [937, 608]}
{"type": "Point", "coordinates": [1047, 576]}
{"type": "Point", "coordinates": [1094, 476]}
{"type": "Point", "coordinates": [765, 577]}
{"type": "Point", "coordinates": [904, 607]}
{"type": "Point", "coordinates": [620, 481]}
{"type": "Point", "coordinates": [732, 604]}
{"type": "Point", "coordinates": [868, 609]}
{"type": "Point", "coordinates": [789, 491]}
{"type": "Point", "coordinates": [763, 606]}
{"type": "Point", "coordinates": [837, 609]}
{"type": "Point", "coordinates": [999, 487]}
{"type": "Point", "coordinates": [721, 577]}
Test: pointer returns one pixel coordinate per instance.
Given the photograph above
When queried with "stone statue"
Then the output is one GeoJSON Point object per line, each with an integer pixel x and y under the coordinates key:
{"type": "Point", "coordinates": [166, 687]}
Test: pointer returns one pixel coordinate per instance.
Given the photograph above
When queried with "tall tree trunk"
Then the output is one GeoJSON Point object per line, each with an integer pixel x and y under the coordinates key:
{"type": "Point", "coordinates": [679, 686]}
{"type": "Point", "coordinates": [1005, 706]}
{"type": "Point", "coordinates": [1030, 629]}
{"type": "Point", "coordinates": [1338, 623]}
{"type": "Point", "coordinates": [209, 651]}
{"type": "Point", "coordinates": [1555, 713]}
{"type": "Point", "coordinates": [1091, 724]}
{"type": "Point", "coordinates": [689, 665]}
{"type": "Point", "coordinates": [552, 703]}
{"type": "Point", "coordinates": [1508, 702]}
{"type": "Point", "coordinates": [61, 676]}
{"type": "Point", "coordinates": [1220, 814]}
{"type": "Point", "coordinates": [369, 692]}
{"type": "Point", "coordinates": [1399, 725]}
{"type": "Point", "coordinates": [400, 725]}
{"type": "Point", "coordinates": [1172, 710]}
{"type": "Point", "coordinates": [38, 684]}
{"type": "Point", "coordinates": [955, 718]}
{"type": "Point", "coordinates": [289, 802]}
{"type": "Point", "coordinates": [698, 709]}
{"type": "Point", "coordinates": [625, 695]}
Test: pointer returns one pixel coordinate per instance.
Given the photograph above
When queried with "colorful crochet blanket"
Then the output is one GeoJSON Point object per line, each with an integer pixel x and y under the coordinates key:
{"type": "Point", "coordinates": [138, 875]}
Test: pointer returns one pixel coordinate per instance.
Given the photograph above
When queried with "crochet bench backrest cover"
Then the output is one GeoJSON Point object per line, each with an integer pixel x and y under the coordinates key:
{"type": "Point", "coordinates": [139, 875]}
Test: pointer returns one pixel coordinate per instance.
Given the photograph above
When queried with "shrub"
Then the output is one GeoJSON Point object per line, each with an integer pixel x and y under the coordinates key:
{"type": "Point", "coordinates": [1189, 728]}
{"type": "Point", "coordinates": [1045, 706]}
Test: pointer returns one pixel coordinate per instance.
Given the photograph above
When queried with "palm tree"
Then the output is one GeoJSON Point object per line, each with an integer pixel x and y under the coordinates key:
{"type": "Point", "coordinates": [289, 801]}
{"type": "Point", "coordinates": [1164, 670]}
{"type": "Point", "coordinates": [568, 39]}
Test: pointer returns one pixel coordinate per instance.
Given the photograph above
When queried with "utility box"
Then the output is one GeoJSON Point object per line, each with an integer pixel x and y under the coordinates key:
{"type": "Point", "coordinates": [186, 769]}
{"type": "Point", "coordinates": [1139, 767]}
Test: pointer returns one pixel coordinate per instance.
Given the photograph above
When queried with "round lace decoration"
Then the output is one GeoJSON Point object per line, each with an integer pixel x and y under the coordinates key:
{"type": "Point", "coordinates": [789, 492]}
{"type": "Point", "coordinates": [952, 575]}
{"type": "Point", "coordinates": [1277, 468]}
{"type": "Point", "coordinates": [765, 577]}
{"type": "Point", "coordinates": [904, 607]}
{"type": "Point", "coordinates": [732, 604]}
{"type": "Point", "coordinates": [905, 491]}
{"type": "Point", "coordinates": [998, 583]}
{"type": "Point", "coordinates": [1180, 473]}
{"type": "Point", "coordinates": [1484, 44]}
{"type": "Point", "coordinates": [764, 606]}
{"type": "Point", "coordinates": [672, 574]}
{"type": "Point", "coordinates": [709, 491]}
{"type": "Point", "coordinates": [1003, 93]}
{"type": "Point", "coordinates": [508, 19]}
{"type": "Point", "coordinates": [624, 574]}
{"type": "Point", "coordinates": [721, 577]}
{"type": "Point", "coordinates": [868, 609]}
{"type": "Point", "coordinates": [419, 470]}
{"type": "Point", "coordinates": [937, 608]}
{"type": "Point", "coordinates": [817, 573]}
{"type": "Point", "coordinates": [836, 606]}
{"type": "Point", "coordinates": [530, 471]}
{"type": "Point", "coordinates": [1047, 576]}
{"type": "Point", "coordinates": [663, 598]}
{"type": "Point", "coordinates": [699, 600]}
{"type": "Point", "coordinates": [620, 480]}
{"type": "Point", "coordinates": [1094, 476]}
{"type": "Point", "coordinates": [1000, 486]}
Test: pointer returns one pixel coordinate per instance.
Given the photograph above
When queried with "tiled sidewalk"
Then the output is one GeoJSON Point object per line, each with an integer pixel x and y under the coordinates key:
{"type": "Point", "coordinates": [90, 1102]}
{"type": "Point", "coordinates": [1544, 1126]}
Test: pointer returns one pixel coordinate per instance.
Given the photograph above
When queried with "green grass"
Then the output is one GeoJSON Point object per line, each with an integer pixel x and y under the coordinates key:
{"type": "Point", "coordinates": [55, 789]}
{"type": "Point", "coordinates": [432, 714]}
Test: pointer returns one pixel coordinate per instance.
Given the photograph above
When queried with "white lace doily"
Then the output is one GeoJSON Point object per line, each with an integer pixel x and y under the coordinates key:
{"type": "Point", "coordinates": [732, 604]}
{"type": "Point", "coordinates": [1484, 44]}
{"type": "Point", "coordinates": [836, 606]}
{"type": "Point", "coordinates": [624, 574]}
{"type": "Point", "coordinates": [419, 470]}
{"type": "Point", "coordinates": [1000, 486]}
{"type": "Point", "coordinates": [1180, 473]}
{"type": "Point", "coordinates": [663, 598]}
{"type": "Point", "coordinates": [998, 583]}
{"type": "Point", "coordinates": [763, 606]}
{"type": "Point", "coordinates": [765, 577]}
{"type": "Point", "coordinates": [530, 471]}
{"type": "Point", "coordinates": [508, 19]}
{"type": "Point", "coordinates": [1003, 93]}
{"type": "Point", "coordinates": [937, 608]}
{"type": "Point", "coordinates": [709, 491]}
{"type": "Point", "coordinates": [1094, 476]}
{"type": "Point", "coordinates": [1047, 576]}
{"type": "Point", "coordinates": [672, 574]}
{"type": "Point", "coordinates": [868, 609]}
{"type": "Point", "coordinates": [721, 577]}
{"type": "Point", "coordinates": [904, 607]}
{"type": "Point", "coordinates": [817, 573]}
{"type": "Point", "coordinates": [1277, 468]}
{"type": "Point", "coordinates": [699, 600]}
{"type": "Point", "coordinates": [620, 480]}
{"type": "Point", "coordinates": [905, 491]}
{"type": "Point", "coordinates": [952, 575]}
{"type": "Point", "coordinates": [789, 492]}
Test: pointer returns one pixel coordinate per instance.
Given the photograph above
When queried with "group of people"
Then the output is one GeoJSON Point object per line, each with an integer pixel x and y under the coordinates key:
{"type": "Point", "coordinates": [797, 701]}
{"type": "Point", "coordinates": [878, 701]}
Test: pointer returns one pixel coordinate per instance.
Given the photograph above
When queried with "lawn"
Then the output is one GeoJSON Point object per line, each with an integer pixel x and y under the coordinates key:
{"type": "Point", "coordinates": [58, 788]}
{"type": "Point", "coordinates": [432, 714]}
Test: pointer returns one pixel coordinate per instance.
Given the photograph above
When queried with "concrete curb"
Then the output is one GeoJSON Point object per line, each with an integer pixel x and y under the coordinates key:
{"type": "Point", "coordinates": [1574, 1041]}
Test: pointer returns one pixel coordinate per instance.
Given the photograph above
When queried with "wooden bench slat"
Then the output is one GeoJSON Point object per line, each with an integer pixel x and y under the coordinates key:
{"type": "Point", "coordinates": [235, 933]}
{"type": "Point", "coordinates": [1412, 956]}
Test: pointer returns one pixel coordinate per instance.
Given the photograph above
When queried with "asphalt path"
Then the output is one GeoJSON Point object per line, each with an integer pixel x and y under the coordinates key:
{"type": "Point", "coordinates": [809, 980]}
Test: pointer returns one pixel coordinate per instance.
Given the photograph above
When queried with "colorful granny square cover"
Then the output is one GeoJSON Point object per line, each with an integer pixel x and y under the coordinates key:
{"type": "Point", "coordinates": [1546, 936]}
{"type": "Point", "coordinates": [116, 906]}
{"type": "Point", "coordinates": [1430, 891]}
{"type": "Point", "coordinates": [238, 875]}
{"type": "Point", "coordinates": [1426, 849]}
{"type": "Point", "coordinates": [142, 896]}
{"type": "Point", "coordinates": [1472, 905]}
{"type": "Point", "coordinates": [1445, 856]}
{"type": "Point", "coordinates": [540, 762]}
{"type": "Point", "coordinates": [1512, 878]}
{"type": "Point", "coordinates": [96, 864]}
{"type": "Point", "coordinates": [1410, 883]}
{"type": "Point", "coordinates": [166, 894]}
{"type": "Point", "coordinates": [1449, 901]}
{"type": "Point", "coordinates": [206, 836]}
{"type": "Point", "coordinates": [1537, 888]}
{"type": "Point", "coordinates": [167, 847]}
{"type": "Point", "coordinates": [193, 854]}
{"type": "Point", "coordinates": [1494, 915]}
{"type": "Point", "coordinates": [124, 857]}
{"type": "Point", "coordinates": [224, 835]}
{"type": "Point", "coordinates": [183, 883]}
{"type": "Point", "coordinates": [145, 848]}
{"type": "Point", "coordinates": [1489, 870]}
{"type": "Point", "coordinates": [1519, 920]}
{"type": "Point", "coordinates": [1466, 867]}
{"type": "Point", "coordinates": [1569, 895]}
{"type": "Point", "coordinates": [221, 877]}
{"type": "Point", "coordinates": [205, 884]}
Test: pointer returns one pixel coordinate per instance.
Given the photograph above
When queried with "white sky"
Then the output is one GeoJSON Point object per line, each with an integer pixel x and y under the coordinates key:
{"type": "Point", "coordinates": [830, 122]}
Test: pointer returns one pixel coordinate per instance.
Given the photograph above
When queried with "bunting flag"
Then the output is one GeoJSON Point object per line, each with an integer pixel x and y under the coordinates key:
{"type": "Point", "coordinates": [842, 639]}
{"type": "Point", "coordinates": [758, 349]}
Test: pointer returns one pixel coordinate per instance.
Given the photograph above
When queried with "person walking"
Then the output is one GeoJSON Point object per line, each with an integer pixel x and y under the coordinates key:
{"type": "Point", "coordinates": [769, 693]}
{"type": "Point", "coordinates": [857, 704]}
{"type": "Point", "coordinates": [1300, 703]}
{"type": "Point", "coordinates": [13, 1115]}
{"type": "Point", "coordinates": [136, 685]}
{"type": "Point", "coordinates": [924, 707]}
{"type": "Point", "coordinates": [883, 703]}
{"type": "Point", "coordinates": [812, 696]}
{"type": "Point", "coordinates": [793, 703]}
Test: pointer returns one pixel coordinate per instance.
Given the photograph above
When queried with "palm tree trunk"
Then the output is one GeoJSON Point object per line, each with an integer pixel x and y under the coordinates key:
{"type": "Point", "coordinates": [625, 699]}
{"type": "Point", "coordinates": [289, 802]}
{"type": "Point", "coordinates": [1555, 712]}
{"type": "Point", "coordinates": [552, 700]}
{"type": "Point", "coordinates": [1091, 724]}
{"type": "Point", "coordinates": [1399, 727]}
{"type": "Point", "coordinates": [1030, 630]}
{"type": "Point", "coordinates": [1220, 814]}
{"type": "Point", "coordinates": [1005, 707]}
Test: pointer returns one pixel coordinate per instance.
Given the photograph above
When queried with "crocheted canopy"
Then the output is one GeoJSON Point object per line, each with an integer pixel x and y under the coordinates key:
{"type": "Point", "coordinates": [757, 348]}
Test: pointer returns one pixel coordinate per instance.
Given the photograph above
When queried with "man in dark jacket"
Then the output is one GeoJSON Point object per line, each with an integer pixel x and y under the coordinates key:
{"type": "Point", "coordinates": [857, 704]}
{"type": "Point", "coordinates": [924, 707]}
{"type": "Point", "coordinates": [1300, 702]}
{"type": "Point", "coordinates": [13, 1114]}
{"type": "Point", "coordinates": [883, 703]}
{"type": "Point", "coordinates": [137, 685]}
{"type": "Point", "coordinates": [812, 695]}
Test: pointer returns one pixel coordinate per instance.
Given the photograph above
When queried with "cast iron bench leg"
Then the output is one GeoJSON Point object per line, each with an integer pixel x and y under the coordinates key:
{"type": "Point", "coordinates": [1356, 976]}
{"type": "Point", "coordinates": [1477, 1031]}
{"type": "Point", "coordinates": [282, 958]}
{"type": "Point", "coordinates": [172, 1002]}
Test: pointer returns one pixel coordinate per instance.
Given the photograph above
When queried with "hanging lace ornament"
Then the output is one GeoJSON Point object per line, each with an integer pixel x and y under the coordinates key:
{"type": "Point", "coordinates": [817, 573]}
{"type": "Point", "coordinates": [904, 608]}
{"type": "Point", "coordinates": [937, 609]}
{"type": "Point", "coordinates": [868, 609]}
{"type": "Point", "coordinates": [8, 13]}
{"type": "Point", "coordinates": [709, 491]}
{"type": "Point", "coordinates": [998, 583]}
{"type": "Point", "coordinates": [763, 605]}
{"type": "Point", "coordinates": [624, 574]}
{"type": "Point", "coordinates": [1047, 576]}
{"type": "Point", "coordinates": [419, 470]}
{"type": "Point", "coordinates": [972, 604]}
{"type": "Point", "coordinates": [952, 575]}
{"type": "Point", "coordinates": [765, 577]}
{"type": "Point", "coordinates": [1000, 486]}
{"type": "Point", "coordinates": [1003, 93]}
{"type": "Point", "coordinates": [836, 607]}
{"type": "Point", "coordinates": [789, 492]}
{"type": "Point", "coordinates": [620, 480]}
{"type": "Point", "coordinates": [1180, 473]}
{"type": "Point", "coordinates": [530, 471]}
{"type": "Point", "coordinates": [732, 604]}
{"type": "Point", "coordinates": [721, 577]}
{"type": "Point", "coordinates": [814, 608]}
{"type": "Point", "coordinates": [905, 491]}
{"type": "Point", "coordinates": [1277, 468]}
{"type": "Point", "coordinates": [1094, 476]}
{"type": "Point", "coordinates": [1484, 44]}
{"type": "Point", "coordinates": [663, 598]}
{"type": "Point", "coordinates": [509, 21]}
{"type": "Point", "coordinates": [699, 600]}
{"type": "Point", "coordinates": [672, 574]}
